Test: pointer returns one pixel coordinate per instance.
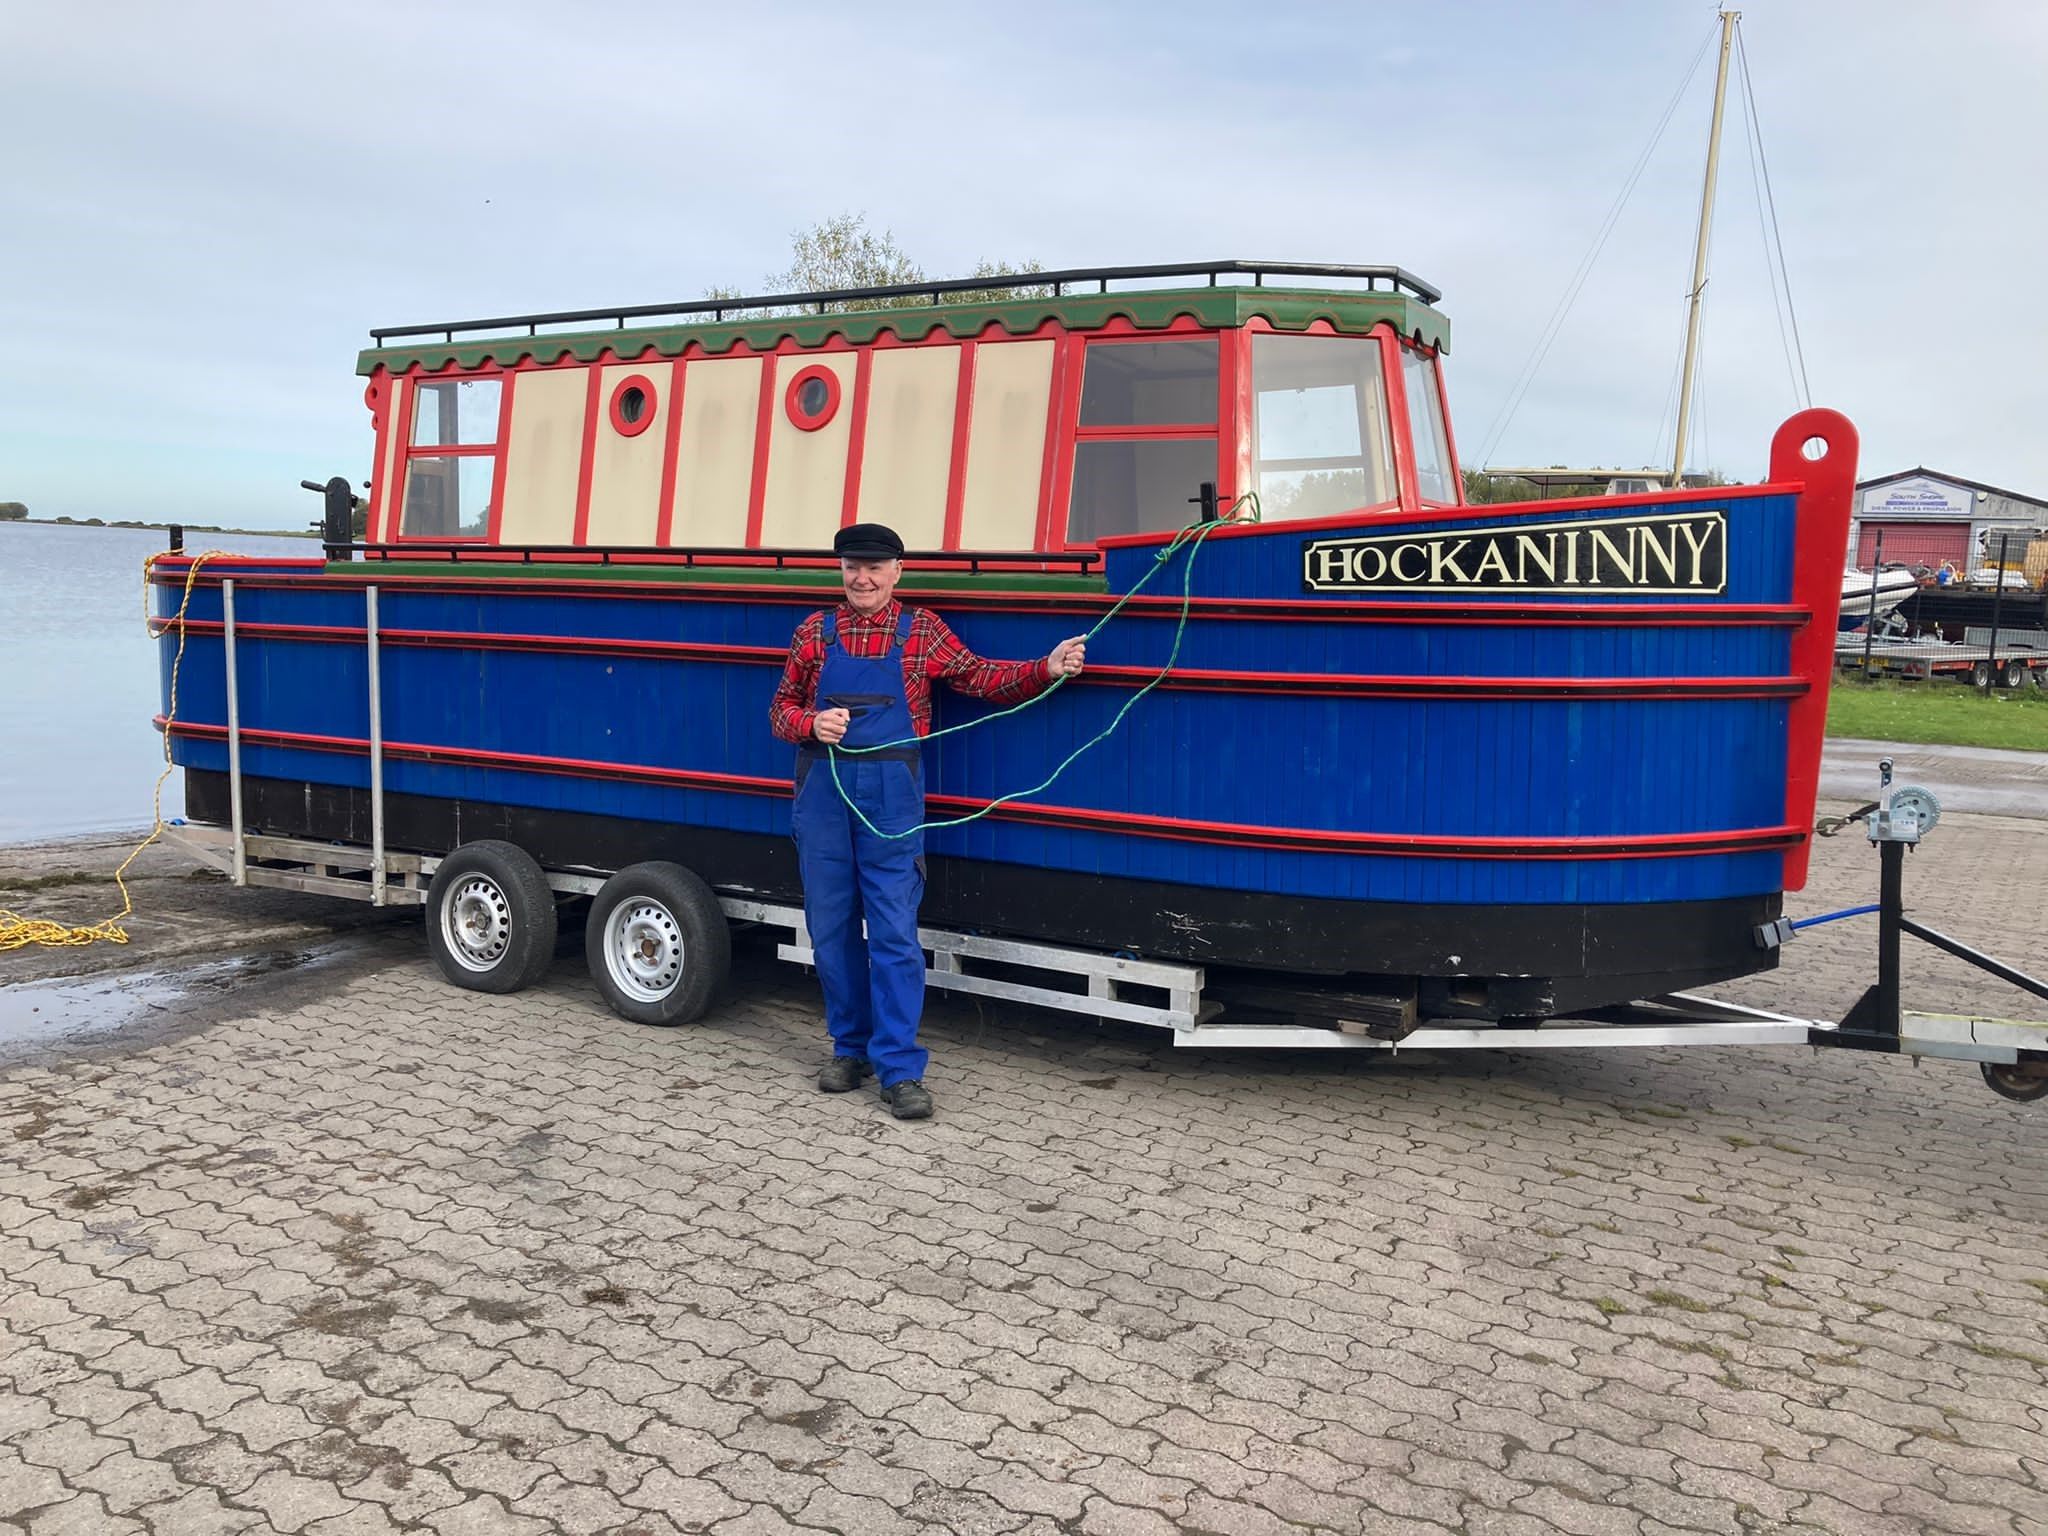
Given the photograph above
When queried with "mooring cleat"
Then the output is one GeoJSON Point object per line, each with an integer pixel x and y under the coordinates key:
{"type": "Point", "coordinates": [908, 1100]}
{"type": "Point", "coordinates": [842, 1074]}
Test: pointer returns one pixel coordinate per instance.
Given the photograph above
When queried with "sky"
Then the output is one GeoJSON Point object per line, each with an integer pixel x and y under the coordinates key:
{"type": "Point", "coordinates": [205, 207]}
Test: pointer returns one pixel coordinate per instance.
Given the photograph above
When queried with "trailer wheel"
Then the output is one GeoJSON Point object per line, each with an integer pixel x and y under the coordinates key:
{"type": "Point", "coordinates": [491, 918]}
{"type": "Point", "coordinates": [2015, 673]}
{"type": "Point", "coordinates": [2021, 1081]}
{"type": "Point", "coordinates": [658, 945]}
{"type": "Point", "coordinates": [1980, 676]}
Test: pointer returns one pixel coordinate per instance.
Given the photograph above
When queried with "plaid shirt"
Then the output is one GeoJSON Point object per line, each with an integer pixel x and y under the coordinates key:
{"type": "Point", "coordinates": [931, 650]}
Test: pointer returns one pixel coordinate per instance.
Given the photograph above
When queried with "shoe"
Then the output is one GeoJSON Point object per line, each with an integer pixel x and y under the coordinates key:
{"type": "Point", "coordinates": [908, 1101]}
{"type": "Point", "coordinates": [842, 1074]}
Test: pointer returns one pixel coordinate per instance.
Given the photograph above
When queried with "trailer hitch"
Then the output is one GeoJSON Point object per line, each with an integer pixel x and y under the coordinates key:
{"type": "Point", "coordinates": [1894, 824]}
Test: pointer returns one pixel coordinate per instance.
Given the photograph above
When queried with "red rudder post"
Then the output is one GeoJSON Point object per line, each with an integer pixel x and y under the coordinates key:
{"type": "Point", "coordinates": [1825, 478]}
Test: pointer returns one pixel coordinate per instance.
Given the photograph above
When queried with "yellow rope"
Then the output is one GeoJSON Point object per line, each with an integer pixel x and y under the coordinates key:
{"type": "Point", "coordinates": [17, 931]}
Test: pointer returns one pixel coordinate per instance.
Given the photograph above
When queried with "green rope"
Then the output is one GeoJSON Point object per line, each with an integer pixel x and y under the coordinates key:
{"type": "Point", "coordinates": [1190, 538]}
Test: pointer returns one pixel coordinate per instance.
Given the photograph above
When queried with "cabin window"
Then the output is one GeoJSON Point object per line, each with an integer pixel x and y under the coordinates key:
{"type": "Point", "coordinates": [1150, 384]}
{"type": "Point", "coordinates": [451, 412]}
{"type": "Point", "coordinates": [448, 497]}
{"type": "Point", "coordinates": [632, 405]}
{"type": "Point", "coordinates": [451, 460]}
{"type": "Point", "coordinates": [1319, 426]}
{"type": "Point", "coordinates": [812, 398]}
{"type": "Point", "coordinates": [1147, 437]}
{"type": "Point", "coordinates": [1137, 487]}
{"type": "Point", "coordinates": [1426, 427]}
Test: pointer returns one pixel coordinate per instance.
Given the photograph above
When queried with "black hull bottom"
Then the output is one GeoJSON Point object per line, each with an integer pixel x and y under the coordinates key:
{"type": "Point", "coordinates": [1473, 961]}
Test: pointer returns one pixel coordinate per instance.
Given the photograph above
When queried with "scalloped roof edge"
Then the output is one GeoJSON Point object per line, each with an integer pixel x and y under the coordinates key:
{"type": "Point", "coordinates": [1351, 312]}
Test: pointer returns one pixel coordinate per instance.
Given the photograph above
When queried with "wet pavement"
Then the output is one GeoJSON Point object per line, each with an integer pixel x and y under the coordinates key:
{"type": "Point", "coordinates": [42, 1016]}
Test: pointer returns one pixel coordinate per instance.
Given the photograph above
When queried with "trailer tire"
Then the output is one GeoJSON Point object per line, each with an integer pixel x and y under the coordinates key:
{"type": "Point", "coordinates": [658, 944]}
{"type": "Point", "coordinates": [2012, 1080]}
{"type": "Point", "coordinates": [491, 918]}
{"type": "Point", "coordinates": [2015, 673]}
{"type": "Point", "coordinates": [1980, 676]}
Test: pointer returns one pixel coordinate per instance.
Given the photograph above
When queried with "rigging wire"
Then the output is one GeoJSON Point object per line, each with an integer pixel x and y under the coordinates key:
{"type": "Point", "coordinates": [1752, 139]}
{"type": "Point", "coordinates": [1549, 334]}
{"type": "Point", "coordinates": [1189, 538]}
{"type": "Point", "coordinates": [1667, 414]}
{"type": "Point", "coordinates": [1749, 96]}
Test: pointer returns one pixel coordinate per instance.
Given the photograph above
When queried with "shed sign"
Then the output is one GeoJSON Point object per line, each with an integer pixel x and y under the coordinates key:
{"type": "Point", "coordinates": [1663, 554]}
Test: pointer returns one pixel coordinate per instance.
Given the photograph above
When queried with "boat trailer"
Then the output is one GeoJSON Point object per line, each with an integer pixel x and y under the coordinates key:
{"type": "Point", "coordinates": [2012, 1054]}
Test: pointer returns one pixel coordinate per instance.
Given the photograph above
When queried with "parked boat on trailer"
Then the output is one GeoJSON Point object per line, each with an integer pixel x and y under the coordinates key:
{"type": "Point", "coordinates": [1505, 762]}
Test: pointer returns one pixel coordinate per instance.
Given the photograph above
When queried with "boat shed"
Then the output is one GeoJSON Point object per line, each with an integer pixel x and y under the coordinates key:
{"type": "Point", "coordinates": [1926, 517]}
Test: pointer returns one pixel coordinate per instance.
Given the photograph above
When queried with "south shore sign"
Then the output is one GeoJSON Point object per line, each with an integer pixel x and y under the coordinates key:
{"type": "Point", "coordinates": [1667, 554]}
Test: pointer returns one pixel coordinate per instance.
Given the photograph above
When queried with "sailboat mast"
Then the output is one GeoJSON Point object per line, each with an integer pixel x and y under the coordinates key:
{"type": "Point", "coordinates": [1699, 259]}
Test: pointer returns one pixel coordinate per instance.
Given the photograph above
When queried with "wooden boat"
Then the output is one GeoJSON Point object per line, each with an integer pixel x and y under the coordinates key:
{"type": "Point", "coordinates": [1508, 761]}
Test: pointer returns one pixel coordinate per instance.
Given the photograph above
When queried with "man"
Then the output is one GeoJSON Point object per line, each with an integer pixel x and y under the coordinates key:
{"type": "Point", "coordinates": [860, 675]}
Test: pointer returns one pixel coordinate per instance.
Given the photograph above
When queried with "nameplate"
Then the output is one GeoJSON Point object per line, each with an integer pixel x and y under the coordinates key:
{"type": "Point", "coordinates": [1659, 555]}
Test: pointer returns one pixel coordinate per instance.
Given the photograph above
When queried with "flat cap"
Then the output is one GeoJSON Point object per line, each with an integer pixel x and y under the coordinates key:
{"type": "Point", "coordinates": [867, 541]}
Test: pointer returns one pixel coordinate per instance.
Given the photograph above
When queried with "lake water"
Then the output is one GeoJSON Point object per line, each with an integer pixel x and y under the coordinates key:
{"type": "Point", "coordinates": [78, 676]}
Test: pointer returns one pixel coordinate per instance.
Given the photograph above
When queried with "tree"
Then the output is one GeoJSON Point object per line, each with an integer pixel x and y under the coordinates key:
{"type": "Point", "coordinates": [842, 252]}
{"type": "Point", "coordinates": [12, 511]}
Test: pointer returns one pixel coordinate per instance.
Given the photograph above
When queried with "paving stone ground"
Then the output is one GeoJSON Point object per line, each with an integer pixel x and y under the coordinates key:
{"type": "Point", "coordinates": [360, 1253]}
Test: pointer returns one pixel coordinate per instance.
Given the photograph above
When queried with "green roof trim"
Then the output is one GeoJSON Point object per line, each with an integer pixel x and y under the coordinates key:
{"type": "Point", "coordinates": [1285, 309]}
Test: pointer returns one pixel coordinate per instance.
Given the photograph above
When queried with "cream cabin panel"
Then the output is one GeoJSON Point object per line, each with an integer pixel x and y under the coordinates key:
{"type": "Point", "coordinates": [625, 472]}
{"type": "Point", "coordinates": [907, 451]}
{"type": "Point", "coordinates": [1006, 444]}
{"type": "Point", "coordinates": [543, 456]}
{"type": "Point", "coordinates": [386, 485]}
{"type": "Point", "coordinates": [715, 452]}
{"type": "Point", "coordinates": [806, 489]}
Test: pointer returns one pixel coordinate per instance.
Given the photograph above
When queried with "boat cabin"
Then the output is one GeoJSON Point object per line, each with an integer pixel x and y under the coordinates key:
{"type": "Point", "coordinates": [971, 415]}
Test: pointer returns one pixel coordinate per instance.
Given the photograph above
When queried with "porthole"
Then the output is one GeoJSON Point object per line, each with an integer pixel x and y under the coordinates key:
{"type": "Point", "coordinates": [812, 398]}
{"type": "Point", "coordinates": [633, 406]}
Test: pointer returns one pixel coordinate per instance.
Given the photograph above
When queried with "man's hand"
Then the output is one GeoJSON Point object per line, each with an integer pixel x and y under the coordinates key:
{"type": "Point", "coordinates": [830, 726]}
{"type": "Point", "coordinates": [1067, 658]}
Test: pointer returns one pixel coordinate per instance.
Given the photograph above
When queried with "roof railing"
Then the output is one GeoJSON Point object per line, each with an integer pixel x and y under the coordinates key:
{"type": "Point", "coordinates": [1397, 279]}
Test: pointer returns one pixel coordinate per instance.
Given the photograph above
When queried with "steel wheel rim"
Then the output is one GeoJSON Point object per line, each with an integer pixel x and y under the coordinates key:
{"type": "Point", "coordinates": [643, 949]}
{"type": "Point", "coordinates": [476, 924]}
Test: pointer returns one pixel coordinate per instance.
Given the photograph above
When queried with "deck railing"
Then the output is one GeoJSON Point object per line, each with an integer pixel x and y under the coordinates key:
{"type": "Point", "coordinates": [1397, 279]}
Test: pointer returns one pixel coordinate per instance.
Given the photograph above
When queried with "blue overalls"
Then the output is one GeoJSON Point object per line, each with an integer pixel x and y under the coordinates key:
{"type": "Point", "coordinates": [874, 986]}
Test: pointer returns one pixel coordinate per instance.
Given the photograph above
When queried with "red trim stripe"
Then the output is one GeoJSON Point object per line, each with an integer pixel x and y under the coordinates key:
{"type": "Point", "coordinates": [1231, 834]}
{"type": "Point", "coordinates": [956, 469]}
{"type": "Point", "coordinates": [1234, 413]}
{"type": "Point", "coordinates": [764, 423]}
{"type": "Point", "coordinates": [1303, 610]}
{"type": "Point", "coordinates": [496, 527]}
{"type": "Point", "coordinates": [587, 465]}
{"type": "Point", "coordinates": [1049, 462]}
{"type": "Point", "coordinates": [394, 505]}
{"type": "Point", "coordinates": [671, 450]}
{"type": "Point", "coordinates": [1066, 411]}
{"type": "Point", "coordinates": [1396, 385]}
{"type": "Point", "coordinates": [1190, 679]}
{"type": "Point", "coordinates": [378, 395]}
{"type": "Point", "coordinates": [857, 436]}
{"type": "Point", "coordinates": [170, 572]}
